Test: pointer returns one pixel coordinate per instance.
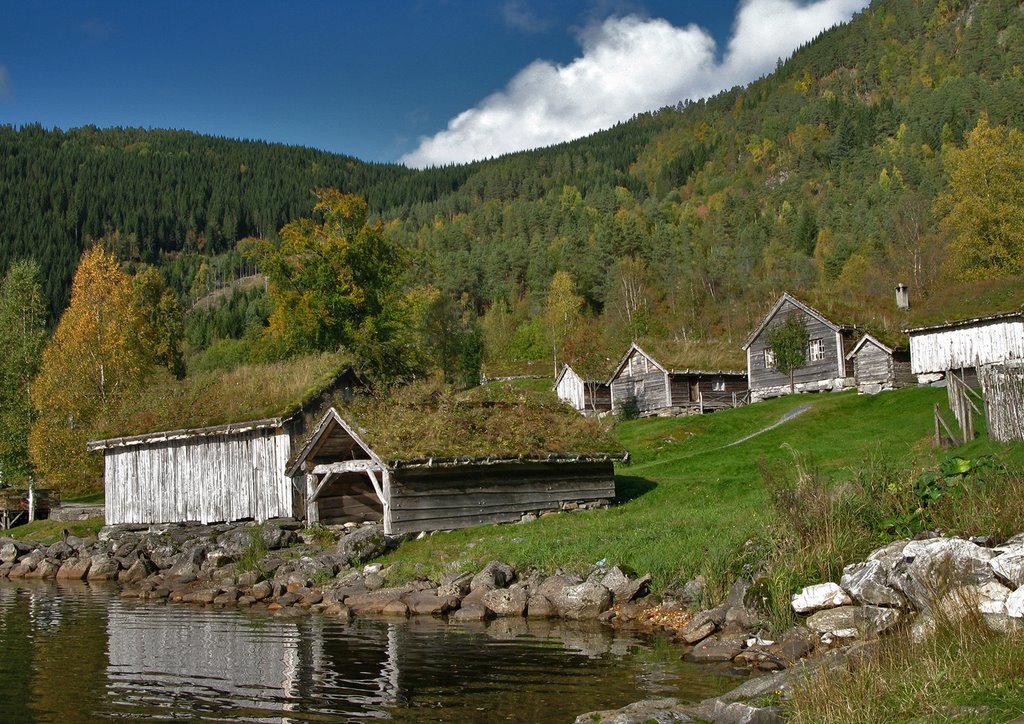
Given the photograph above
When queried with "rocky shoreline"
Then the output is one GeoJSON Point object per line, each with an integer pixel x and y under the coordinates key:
{"type": "Point", "coordinates": [281, 569]}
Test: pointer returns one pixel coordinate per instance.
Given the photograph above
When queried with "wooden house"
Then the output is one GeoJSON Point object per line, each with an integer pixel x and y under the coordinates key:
{"type": "Point", "coordinates": [667, 386]}
{"type": "Point", "coordinates": [877, 366]}
{"type": "Point", "coordinates": [418, 469]}
{"type": "Point", "coordinates": [586, 396]}
{"type": "Point", "coordinates": [231, 470]}
{"type": "Point", "coordinates": [966, 344]}
{"type": "Point", "coordinates": [827, 366]}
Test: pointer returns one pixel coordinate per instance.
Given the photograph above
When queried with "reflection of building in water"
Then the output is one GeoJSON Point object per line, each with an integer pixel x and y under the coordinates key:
{"type": "Point", "coordinates": [211, 659]}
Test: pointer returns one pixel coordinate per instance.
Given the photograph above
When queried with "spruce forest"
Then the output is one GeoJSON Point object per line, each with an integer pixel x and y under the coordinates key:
{"type": "Point", "coordinates": [887, 150]}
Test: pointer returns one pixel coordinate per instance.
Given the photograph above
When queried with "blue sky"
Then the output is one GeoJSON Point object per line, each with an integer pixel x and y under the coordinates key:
{"type": "Point", "coordinates": [420, 81]}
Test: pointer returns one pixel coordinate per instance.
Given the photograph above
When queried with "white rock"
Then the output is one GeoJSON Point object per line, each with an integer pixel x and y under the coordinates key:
{"type": "Point", "coordinates": [1009, 565]}
{"type": "Point", "coordinates": [933, 566]}
{"type": "Point", "coordinates": [820, 596]}
{"type": "Point", "coordinates": [867, 582]}
{"type": "Point", "coordinates": [1015, 604]}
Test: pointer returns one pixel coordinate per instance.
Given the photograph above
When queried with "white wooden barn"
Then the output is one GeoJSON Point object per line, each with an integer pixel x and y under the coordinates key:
{"type": "Point", "coordinates": [967, 344]}
{"type": "Point", "coordinates": [587, 396]}
{"type": "Point", "coordinates": [218, 473]}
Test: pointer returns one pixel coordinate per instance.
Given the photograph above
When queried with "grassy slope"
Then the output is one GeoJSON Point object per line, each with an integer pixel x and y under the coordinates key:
{"type": "Point", "coordinates": [686, 505]}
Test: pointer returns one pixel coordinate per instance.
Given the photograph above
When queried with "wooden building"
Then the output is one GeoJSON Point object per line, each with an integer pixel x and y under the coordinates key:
{"type": "Point", "coordinates": [355, 475]}
{"type": "Point", "coordinates": [586, 396]}
{"type": "Point", "coordinates": [966, 344]}
{"type": "Point", "coordinates": [668, 387]}
{"type": "Point", "coordinates": [229, 471]}
{"type": "Point", "coordinates": [827, 366]}
{"type": "Point", "coordinates": [877, 366]}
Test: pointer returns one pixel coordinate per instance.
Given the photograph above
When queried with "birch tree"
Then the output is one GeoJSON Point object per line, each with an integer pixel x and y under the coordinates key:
{"type": "Point", "coordinates": [561, 312]}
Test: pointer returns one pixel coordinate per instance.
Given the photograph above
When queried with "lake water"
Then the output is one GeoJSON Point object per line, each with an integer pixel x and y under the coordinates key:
{"type": "Point", "coordinates": [80, 653]}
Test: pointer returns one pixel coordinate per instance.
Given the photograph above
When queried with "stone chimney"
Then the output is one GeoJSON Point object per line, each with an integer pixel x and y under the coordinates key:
{"type": "Point", "coordinates": [902, 296]}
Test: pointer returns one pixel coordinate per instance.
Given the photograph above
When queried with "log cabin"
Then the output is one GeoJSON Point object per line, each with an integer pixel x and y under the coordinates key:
{"type": "Point", "coordinates": [878, 367]}
{"type": "Point", "coordinates": [827, 366]}
{"type": "Point", "coordinates": [666, 385]}
{"type": "Point", "coordinates": [226, 471]}
{"type": "Point", "coordinates": [446, 464]}
{"type": "Point", "coordinates": [587, 396]}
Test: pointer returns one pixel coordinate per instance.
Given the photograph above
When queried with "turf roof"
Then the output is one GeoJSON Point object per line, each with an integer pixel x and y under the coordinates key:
{"type": "Point", "coordinates": [424, 420]}
{"type": "Point", "coordinates": [704, 355]}
{"type": "Point", "coordinates": [245, 393]}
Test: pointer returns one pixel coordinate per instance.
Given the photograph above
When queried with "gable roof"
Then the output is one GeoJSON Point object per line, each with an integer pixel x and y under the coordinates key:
{"type": "Point", "coordinates": [808, 309]}
{"type": "Point", "coordinates": [422, 424]}
{"type": "Point", "coordinates": [329, 423]}
{"type": "Point", "coordinates": [873, 340]}
{"type": "Point", "coordinates": [566, 368]}
{"type": "Point", "coordinates": [1019, 314]}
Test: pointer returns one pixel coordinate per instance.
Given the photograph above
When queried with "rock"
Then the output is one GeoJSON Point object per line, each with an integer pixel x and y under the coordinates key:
{"type": "Point", "coordinates": [1015, 604]}
{"type": "Point", "coordinates": [700, 627]}
{"type": "Point", "coordinates": [740, 713]}
{"type": "Point", "coordinates": [933, 566]}
{"type": "Point", "coordinates": [714, 649]}
{"type": "Point", "coordinates": [75, 569]}
{"type": "Point", "coordinates": [741, 618]}
{"type": "Point", "coordinates": [12, 550]}
{"type": "Point", "coordinates": [396, 608]}
{"type": "Point", "coordinates": [623, 588]}
{"type": "Point", "coordinates": [494, 575]}
{"type": "Point", "coordinates": [22, 569]}
{"type": "Point", "coordinates": [585, 600]}
{"type": "Point", "coordinates": [992, 597]}
{"type": "Point", "coordinates": [137, 572]}
{"type": "Point", "coordinates": [376, 601]}
{"type": "Point", "coordinates": [103, 568]}
{"type": "Point", "coordinates": [820, 596]}
{"type": "Point", "coordinates": [274, 537]}
{"type": "Point", "coordinates": [249, 579]}
{"type": "Point", "coordinates": [1009, 566]}
{"type": "Point", "coordinates": [795, 644]}
{"type": "Point", "coordinates": [454, 584]}
{"type": "Point", "coordinates": [60, 551]}
{"type": "Point", "coordinates": [262, 590]}
{"type": "Point", "coordinates": [473, 612]}
{"type": "Point", "coordinates": [655, 711]}
{"type": "Point", "coordinates": [853, 621]}
{"type": "Point", "coordinates": [738, 593]}
{"type": "Point", "coordinates": [538, 606]}
{"type": "Point", "coordinates": [430, 603]}
{"type": "Point", "coordinates": [361, 545]}
{"type": "Point", "coordinates": [227, 598]}
{"type": "Point", "coordinates": [506, 601]}
{"type": "Point", "coordinates": [311, 599]}
{"type": "Point", "coordinates": [868, 582]}
{"type": "Point", "coordinates": [46, 568]}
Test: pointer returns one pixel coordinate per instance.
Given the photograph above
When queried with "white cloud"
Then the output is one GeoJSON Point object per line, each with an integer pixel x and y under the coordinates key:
{"type": "Point", "coordinates": [627, 65]}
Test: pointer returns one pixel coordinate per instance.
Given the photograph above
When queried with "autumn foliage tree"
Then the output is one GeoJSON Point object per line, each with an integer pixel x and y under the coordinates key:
{"type": "Point", "coordinates": [984, 207]}
{"type": "Point", "coordinates": [93, 361]}
{"type": "Point", "coordinates": [562, 309]}
{"type": "Point", "coordinates": [22, 334]}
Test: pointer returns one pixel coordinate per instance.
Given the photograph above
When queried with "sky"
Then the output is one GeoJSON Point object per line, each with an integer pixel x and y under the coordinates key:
{"type": "Point", "coordinates": [420, 82]}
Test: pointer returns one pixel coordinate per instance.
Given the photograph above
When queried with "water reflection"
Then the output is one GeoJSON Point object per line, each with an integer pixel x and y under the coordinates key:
{"type": "Point", "coordinates": [79, 653]}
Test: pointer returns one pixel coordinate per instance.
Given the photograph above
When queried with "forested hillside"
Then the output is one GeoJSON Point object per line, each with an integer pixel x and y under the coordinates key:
{"type": "Point", "coordinates": [832, 177]}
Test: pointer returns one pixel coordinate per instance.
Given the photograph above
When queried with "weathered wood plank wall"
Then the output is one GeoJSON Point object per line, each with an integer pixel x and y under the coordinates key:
{"type": "Point", "coordinates": [433, 499]}
{"type": "Point", "coordinates": [641, 378]}
{"type": "Point", "coordinates": [968, 346]}
{"type": "Point", "coordinates": [205, 479]}
{"type": "Point", "coordinates": [833, 364]}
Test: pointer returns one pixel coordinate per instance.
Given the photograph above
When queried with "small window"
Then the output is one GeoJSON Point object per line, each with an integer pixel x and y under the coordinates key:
{"type": "Point", "coordinates": [718, 385]}
{"type": "Point", "coordinates": [816, 350]}
{"type": "Point", "coordinates": [769, 359]}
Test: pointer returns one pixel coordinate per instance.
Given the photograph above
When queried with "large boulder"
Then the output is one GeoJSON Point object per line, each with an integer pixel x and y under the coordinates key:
{"type": "Point", "coordinates": [624, 589]}
{"type": "Point", "coordinates": [430, 603]}
{"type": "Point", "coordinates": [11, 550]}
{"type": "Point", "coordinates": [868, 582]}
{"type": "Point", "coordinates": [932, 567]}
{"type": "Point", "coordinates": [820, 596]}
{"type": "Point", "coordinates": [1009, 565]}
{"type": "Point", "coordinates": [75, 569]}
{"type": "Point", "coordinates": [103, 568]}
{"type": "Point", "coordinates": [1015, 604]}
{"type": "Point", "coordinates": [853, 621]}
{"type": "Point", "coordinates": [585, 600]}
{"type": "Point", "coordinates": [712, 650]}
{"type": "Point", "coordinates": [361, 545]}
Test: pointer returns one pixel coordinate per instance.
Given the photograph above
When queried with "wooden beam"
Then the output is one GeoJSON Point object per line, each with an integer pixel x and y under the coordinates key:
{"type": "Point", "coordinates": [347, 466]}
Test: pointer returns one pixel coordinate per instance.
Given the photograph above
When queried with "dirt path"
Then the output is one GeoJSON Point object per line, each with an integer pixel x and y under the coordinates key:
{"type": "Point", "coordinates": [795, 412]}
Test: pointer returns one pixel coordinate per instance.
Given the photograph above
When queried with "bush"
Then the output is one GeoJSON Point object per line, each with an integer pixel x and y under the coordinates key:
{"type": "Point", "coordinates": [630, 409]}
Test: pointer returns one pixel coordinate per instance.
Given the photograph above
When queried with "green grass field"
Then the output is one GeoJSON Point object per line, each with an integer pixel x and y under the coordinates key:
{"type": "Point", "coordinates": [688, 505]}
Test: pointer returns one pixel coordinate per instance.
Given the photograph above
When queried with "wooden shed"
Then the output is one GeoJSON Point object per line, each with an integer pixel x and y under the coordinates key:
{"type": "Point", "coordinates": [232, 470]}
{"type": "Point", "coordinates": [966, 344]}
{"type": "Point", "coordinates": [827, 366]}
{"type": "Point", "coordinates": [877, 366]}
{"type": "Point", "coordinates": [665, 386]}
{"type": "Point", "coordinates": [586, 396]}
{"type": "Point", "coordinates": [392, 475]}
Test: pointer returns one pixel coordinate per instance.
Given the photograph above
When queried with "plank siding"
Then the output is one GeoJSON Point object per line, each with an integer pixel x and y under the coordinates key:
{"type": "Point", "coordinates": [209, 479]}
{"type": "Point", "coordinates": [425, 499]}
{"type": "Point", "coordinates": [833, 365]}
{"type": "Point", "coordinates": [583, 396]}
{"type": "Point", "coordinates": [874, 365]}
{"type": "Point", "coordinates": [968, 345]}
{"type": "Point", "coordinates": [641, 378]}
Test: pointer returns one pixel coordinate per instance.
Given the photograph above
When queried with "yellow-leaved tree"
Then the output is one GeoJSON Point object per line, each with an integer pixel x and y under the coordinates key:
{"type": "Point", "coordinates": [984, 207]}
{"type": "Point", "coordinates": [91, 363]}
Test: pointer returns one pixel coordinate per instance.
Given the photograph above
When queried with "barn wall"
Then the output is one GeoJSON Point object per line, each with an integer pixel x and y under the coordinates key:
{"type": "Point", "coordinates": [831, 367]}
{"type": "Point", "coordinates": [425, 499]}
{"type": "Point", "coordinates": [873, 365]}
{"type": "Point", "coordinates": [646, 382]}
{"type": "Point", "coordinates": [570, 389]}
{"type": "Point", "coordinates": [983, 343]}
{"type": "Point", "coordinates": [204, 479]}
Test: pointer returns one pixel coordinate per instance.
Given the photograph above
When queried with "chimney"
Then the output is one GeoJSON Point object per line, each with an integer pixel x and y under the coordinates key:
{"type": "Point", "coordinates": [902, 296]}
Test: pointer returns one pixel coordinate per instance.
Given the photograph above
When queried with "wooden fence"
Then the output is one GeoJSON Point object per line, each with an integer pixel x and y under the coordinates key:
{"type": "Point", "coordinates": [1002, 386]}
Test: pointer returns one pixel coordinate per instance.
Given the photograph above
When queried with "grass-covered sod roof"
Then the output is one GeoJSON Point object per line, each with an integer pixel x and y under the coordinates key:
{"type": "Point", "coordinates": [426, 421]}
{"type": "Point", "coordinates": [248, 392]}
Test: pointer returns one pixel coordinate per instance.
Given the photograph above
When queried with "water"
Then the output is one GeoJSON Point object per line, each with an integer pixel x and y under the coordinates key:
{"type": "Point", "coordinates": [80, 653]}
